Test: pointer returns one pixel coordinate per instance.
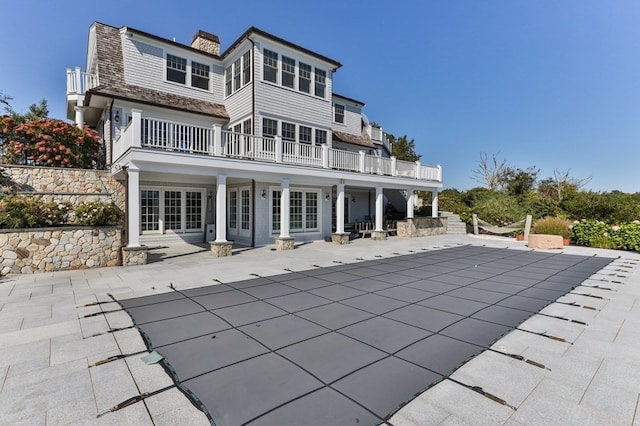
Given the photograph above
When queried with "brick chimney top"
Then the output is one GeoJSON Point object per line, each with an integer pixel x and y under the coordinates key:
{"type": "Point", "coordinates": [206, 42]}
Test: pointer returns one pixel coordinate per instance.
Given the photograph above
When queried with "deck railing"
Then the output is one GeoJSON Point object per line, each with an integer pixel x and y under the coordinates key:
{"type": "Point", "coordinates": [181, 137]}
{"type": "Point", "coordinates": [78, 82]}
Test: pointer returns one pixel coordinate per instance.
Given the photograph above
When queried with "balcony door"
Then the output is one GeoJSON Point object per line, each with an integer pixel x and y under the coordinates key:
{"type": "Point", "coordinates": [239, 212]}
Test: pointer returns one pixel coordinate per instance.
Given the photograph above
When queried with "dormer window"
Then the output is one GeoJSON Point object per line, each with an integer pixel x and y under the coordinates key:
{"type": "Point", "coordinates": [199, 75]}
{"type": "Point", "coordinates": [176, 69]}
{"type": "Point", "coordinates": [338, 113]}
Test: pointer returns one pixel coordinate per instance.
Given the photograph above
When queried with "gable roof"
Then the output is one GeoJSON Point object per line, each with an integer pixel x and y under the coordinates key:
{"type": "Point", "coordinates": [111, 72]}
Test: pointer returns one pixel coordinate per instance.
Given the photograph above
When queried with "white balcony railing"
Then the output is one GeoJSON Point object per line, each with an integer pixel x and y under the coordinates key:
{"type": "Point", "coordinates": [78, 82]}
{"type": "Point", "coordinates": [181, 137]}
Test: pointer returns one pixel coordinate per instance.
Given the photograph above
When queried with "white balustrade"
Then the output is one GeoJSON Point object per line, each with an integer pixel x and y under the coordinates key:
{"type": "Point", "coordinates": [301, 153]}
{"type": "Point", "coordinates": [406, 168]}
{"type": "Point", "coordinates": [79, 82]}
{"type": "Point", "coordinates": [344, 160]}
{"type": "Point", "coordinates": [175, 136]}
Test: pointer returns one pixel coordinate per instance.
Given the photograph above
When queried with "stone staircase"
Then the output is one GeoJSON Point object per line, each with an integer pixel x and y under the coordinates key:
{"type": "Point", "coordinates": [454, 225]}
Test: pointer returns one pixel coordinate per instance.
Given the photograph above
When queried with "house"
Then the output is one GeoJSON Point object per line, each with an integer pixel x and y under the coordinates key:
{"type": "Point", "coordinates": [249, 146]}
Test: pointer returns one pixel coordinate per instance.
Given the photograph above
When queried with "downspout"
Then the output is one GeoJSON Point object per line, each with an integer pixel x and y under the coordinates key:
{"type": "Point", "coordinates": [110, 135]}
{"type": "Point", "coordinates": [253, 213]}
{"type": "Point", "coordinates": [253, 131]}
{"type": "Point", "coordinates": [125, 170]}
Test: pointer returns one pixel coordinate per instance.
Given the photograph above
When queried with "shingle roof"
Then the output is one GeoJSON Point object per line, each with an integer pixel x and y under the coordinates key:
{"type": "Point", "coordinates": [112, 84]}
{"type": "Point", "coordinates": [352, 139]}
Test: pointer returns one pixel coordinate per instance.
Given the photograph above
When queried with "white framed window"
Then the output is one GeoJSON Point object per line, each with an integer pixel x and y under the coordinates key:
{"type": "Point", "coordinates": [270, 66]}
{"type": "Point", "coordinates": [176, 210]}
{"type": "Point", "coordinates": [338, 113]}
{"type": "Point", "coordinates": [288, 131]}
{"type": "Point", "coordinates": [304, 77]}
{"type": "Point", "coordinates": [321, 82]}
{"type": "Point", "coordinates": [288, 71]}
{"type": "Point", "coordinates": [304, 209]}
{"type": "Point", "coordinates": [176, 69]}
{"type": "Point", "coordinates": [246, 127]}
{"type": "Point", "coordinates": [236, 74]}
{"type": "Point", "coordinates": [246, 67]}
{"type": "Point", "coordinates": [227, 81]}
{"type": "Point", "coordinates": [199, 75]}
{"type": "Point", "coordinates": [304, 134]}
{"type": "Point", "coordinates": [269, 127]}
{"type": "Point", "coordinates": [321, 137]}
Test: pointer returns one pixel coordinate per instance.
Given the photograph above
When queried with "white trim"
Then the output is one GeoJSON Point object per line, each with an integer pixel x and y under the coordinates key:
{"type": "Point", "coordinates": [304, 190]}
{"type": "Point", "coordinates": [183, 209]}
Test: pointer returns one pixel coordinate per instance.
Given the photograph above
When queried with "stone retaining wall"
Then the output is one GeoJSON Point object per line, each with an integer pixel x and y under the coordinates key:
{"type": "Point", "coordinates": [54, 249]}
{"type": "Point", "coordinates": [422, 227]}
{"type": "Point", "coordinates": [61, 184]}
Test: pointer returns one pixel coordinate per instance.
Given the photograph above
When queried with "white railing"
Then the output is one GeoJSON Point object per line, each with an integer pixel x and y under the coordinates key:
{"type": "Point", "coordinates": [344, 160]}
{"type": "Point", "coordinates": [376, 133]}
{"type": "Point", "coordinates": [174, 136]}
{"type": "Point", "coordinates": [406, 169]}
{"type": "Point", "coordinates": [301, 153]}
{"type": "Point", "coordinates": [79, 82]}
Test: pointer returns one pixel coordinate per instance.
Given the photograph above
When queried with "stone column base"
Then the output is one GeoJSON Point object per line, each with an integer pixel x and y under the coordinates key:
{"type": "Point", "coordinates": [284, 243]}
{"type": "Point", "coordinates": [379, 235]}
{"type": "Point", "coordinates": [134, 256]}
{"type": "Point", "coordinates": [221, 249]}
{"type": "Point", "coordinates": [340, 239]}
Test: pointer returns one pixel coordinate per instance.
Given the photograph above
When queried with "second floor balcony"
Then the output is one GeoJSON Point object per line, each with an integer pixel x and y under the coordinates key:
{"type": "Point", "coordinates": [78, 82]}
{"type": "Point", "coordinates": [171, 136]}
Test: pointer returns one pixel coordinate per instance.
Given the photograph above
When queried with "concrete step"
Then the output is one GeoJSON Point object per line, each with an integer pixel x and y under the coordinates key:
{"type": "Point", "coordinates": [454, 225]}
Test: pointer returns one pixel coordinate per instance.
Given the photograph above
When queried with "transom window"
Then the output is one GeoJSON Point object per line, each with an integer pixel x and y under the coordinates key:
{"type": "Point", "coordinates": [305, 134]}
{"type": "Point", "coordinates": [338, 113]}
{"type": "Point", "coordinates": [321, 77]}
{"type": "Point", "coordinates": [304, 77]}
{"type": "Point", "coordinates": [199, 75]}
{"type": "Point", "coordinates": [270, 67]}
{"type": "Point", "coordinates": [176, 69]}
{"type": "Point", "coordinates": [288, 71]}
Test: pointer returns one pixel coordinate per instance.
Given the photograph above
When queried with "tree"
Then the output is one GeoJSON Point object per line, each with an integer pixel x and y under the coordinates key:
{"type": "Point", "coordinates": [518, 182]}
{"type": "Point", "coordinates": [36, 112]}
{"type": "Point", "coordinates": [403, 149]}
{"type": "Point", "coordinates": [490, 172]}
{"type": "Point", "coordinates": [4, 99]}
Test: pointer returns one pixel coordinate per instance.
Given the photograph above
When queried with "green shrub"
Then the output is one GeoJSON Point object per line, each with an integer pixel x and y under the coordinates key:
{"type": "Point", "coordinates": [626, 236]}
{"type": "Point", "coordinates": [98, 214]}
{"type": "Point", "coordinates": [499, 209]}
{"type": "Point", "coordinates": [552, 226]}
{"type": "Point", "coordinates": [31, 212]}
{"type": "Point", "coordinates": [586, 231]}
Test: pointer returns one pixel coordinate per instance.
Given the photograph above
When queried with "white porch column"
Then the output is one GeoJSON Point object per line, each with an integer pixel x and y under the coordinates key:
{"type": "Point", "coordinates": [221, 209]}
{"type": "Point", "coordinates": [284, 209]}
{"type": "Point", "coordinates": [434, 202]}
{"type": "Point", "coordinates": [79, 116]}
{"type": "Point", "coordinates": [217, 140]}
{"type": "Point", "coordinates": [133, 206]}
{"type": "Point", "coordinates": [410, 203]}
{"type": "Point", "coordinates": [379, 208]}
{"type": "Point", "coordinates": [340, 208]}
{"type": "Point", "coordinates": [136, 127]}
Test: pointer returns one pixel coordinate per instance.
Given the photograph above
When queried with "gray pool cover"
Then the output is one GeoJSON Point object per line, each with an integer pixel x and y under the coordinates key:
{"type": "Point", "coordinates": [348, 344]}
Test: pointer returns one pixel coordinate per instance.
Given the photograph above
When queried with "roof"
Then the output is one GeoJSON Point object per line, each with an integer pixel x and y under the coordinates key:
{"type": "Point", "coordinates": [261, 33]}
{"type": "Point", "coordinates": [336, 95]}
{"type": "Point", "coordinates": [111, 72]}
{"type": "Point", "coordinates": [352, 139]}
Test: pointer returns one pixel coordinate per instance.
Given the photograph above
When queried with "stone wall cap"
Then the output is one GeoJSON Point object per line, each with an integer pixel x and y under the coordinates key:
{"type": "Point", "coordinates": [58, 228]}
{"type": "Point", "coordinates": [140, 248]}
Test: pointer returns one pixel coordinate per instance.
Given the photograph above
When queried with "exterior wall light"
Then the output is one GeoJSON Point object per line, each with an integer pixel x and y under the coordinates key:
{"type": "Point", "coordinates": [326, 196]}
{"type": "Point", "coordinates": [264, 194]}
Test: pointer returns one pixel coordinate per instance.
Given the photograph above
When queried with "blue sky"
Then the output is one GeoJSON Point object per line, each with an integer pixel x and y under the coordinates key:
{"type": "Point", "coordinates": [555, 84]}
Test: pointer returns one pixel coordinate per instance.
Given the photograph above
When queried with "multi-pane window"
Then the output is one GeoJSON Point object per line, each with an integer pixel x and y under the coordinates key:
{"type": "Point", "coordinates": [173, 210]}
{"type": "Point", "coordinates": [275, 210]}
{"type": "Point", "coordinates": [338, 113]}
{"type": "Point", "coordinates": [311, 210]}
{"type": "Point", "coordinates": [295, 210]}
{"type": "Point", "coordinates": [269, 127]}
{"type": "Point", "coordinates": [288, 131]}
{"type": "Point", "coordinates": [246, 127]}
{"type": "Point", "coordinates": [321, 137]}
{"type": "Point", "coordinates": [199, 75]}
{"type": "Point", "coordinates": [321, 77]}
{"type": "Point", "coordinates": [245, 209]}
{"type": "Point", "coordinates": [236, 75]}
{"type": "Point", "coordinates": [305, 134]}
{"type": "Point", "coordinates": [288, 71]}
{"type": "Point", "coordinates": [270, 67]}
{"type": "Point", "coordinates": [176, 69]}
{"type": "Point", "coordinates": [304, 77]}
{"type": "Point", "coordinates": [149, 210]}
{"type": "Point", "coordinates": [233, 209]}
{"type": "Point", "coordinates": [193, 207]}
{"type": "Point", "coordinates": [246, 67]}
{"type": "Point", "coordinates": [227, 81]}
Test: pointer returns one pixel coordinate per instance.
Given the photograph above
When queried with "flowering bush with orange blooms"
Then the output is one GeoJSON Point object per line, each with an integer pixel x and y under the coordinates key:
{"type": "Point", "coordinates": [48, 142]}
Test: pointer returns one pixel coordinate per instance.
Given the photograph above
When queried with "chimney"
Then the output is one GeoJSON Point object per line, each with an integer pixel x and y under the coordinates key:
{"type": "Point", "coordinates": [206, 42]}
